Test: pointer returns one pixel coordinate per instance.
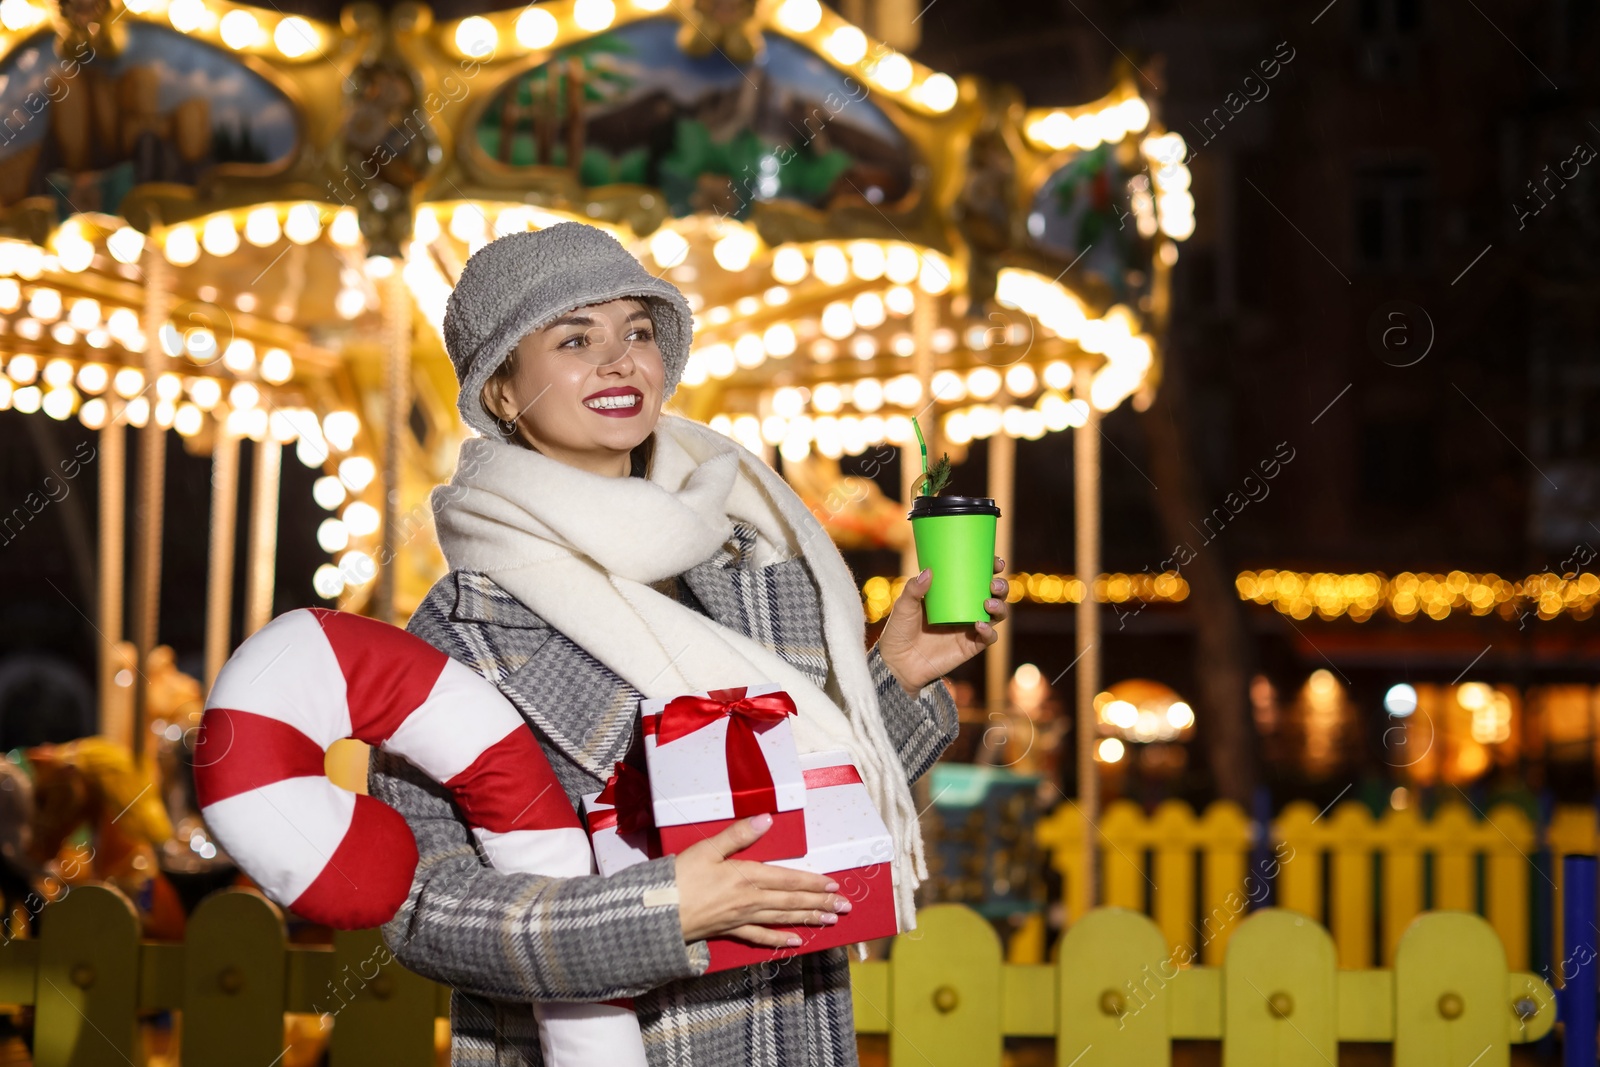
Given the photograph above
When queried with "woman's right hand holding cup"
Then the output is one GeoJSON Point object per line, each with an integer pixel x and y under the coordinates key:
{"type": "Point", "coordinates": [718, 896]}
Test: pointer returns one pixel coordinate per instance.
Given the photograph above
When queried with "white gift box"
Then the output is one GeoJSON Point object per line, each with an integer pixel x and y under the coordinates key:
{"type": "Point", "coordinates": [848, 841]}
{"type": "Point", "coordinates": [691, 788]}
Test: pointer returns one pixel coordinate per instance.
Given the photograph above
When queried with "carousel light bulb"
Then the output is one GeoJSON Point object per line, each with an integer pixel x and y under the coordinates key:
{"type": "Point", "coordinates": [362, 518]}
{"type": "Point", "coordinates": [328, 491]}
{"type": "Point", "coordinates": [303, 225]}
{"type": "Point", "coordinates": [201, 345]}
{"type": "Point", "coordinates": [537, 28]}
{"type": "Point", "coordinates": [837, 321]}
{"type": "Point", "coordinates": [867, 395]}
{"type": "Point", "coordinates": [239, 356]}
{"type": "Point", "coordinates": [29, 328]}
{"type": "Point", "coordinates": [789, 265]}
{"type": "Point", "coordinates": [340, 429]}
{"type": "Point", "coordinates": [45, 305]}
{"type": "Point", "coordinates": [93, 377]}
{"type": "Point", "coordinates": [846, 45]}
{"type": "Point", "coordinates": [57, 372]}
{"type": "Point", "coordinates": [137, 411]}
{"type": "Point", "coordinates": [1135, 114]}
{"type": "Point", "coordinates": [169, 387]}
{"type": "Point", "coordinates": [30, 261]}
{"type": "Point", "coordinates": [188, 420]}
{"type": "Point", "coordinates": [868, 260]}
{"type": "Point", "coordinates": [186, 16]}
{"type": "Point", "coordinates": [867, 310]}
{"type": "Point", "coordinates": [747, 351]}
{"type": "Point", "coordinates": [345, 230]}
{"type": "Point", "coordinates": [74, 255]}
{"type": "Point", "coordinates": [1021, 380]}
{"type": "Point", "coordinates": [327, 582]}
{"type": "Point", "coordinates": [18, 15]}
{"type": "Point", "coordinates": [63, 334]}
{"type": "Point", "coordinates": [261, 227]}
{"type": "Point", "coordinates": [23, 369]}
{"type": "Point", "coordinates": [863, 346]}
{"type": "Point", "coordinates": [734, 250]}
{"type": "Point", "coordinates": [938, 93]}
{"type": "Point", "coordinates": [934, 277]}
{"type": "Point", "coordinates": [294, 37]}
{"type": "Point", "coordinates": [219, 238]}
{"type": "Point", "coordinates": [476, 37]}
{"type": "Point", "coordinates": [668, 247]}
{"type": "Point", "coordinates": [719, 360]}
{"type": "Point", "coordinates": [826, 398]}
{"type": "Point", "coordinates": [205, 392]}
{"type": "Point", "coordinates": [333, 536]}
{"type": "Point", "coordinates": [893, 72]}
{"type": "Point", "coordinates": [357, 472]}
{"type": "Point", "coordinates": [243, 396]}
{"type": "Point", "coordinates": [799, 16]}
{"type": "Point", "coordinates": [779, 340]}
{"type": "Point", "coordinates": [127, 383]}
{"type": "Point", "coordinates": [350, 303]}
{"type": "Point", "coordinates": [593, 15]}
{"type": "Point", "coordinates": [829, 264]}
{"type": "Point", "coordinates": [85, 314]}
{"type": "Point", "coordinates": [240, 30]}
{"type": "Point", "coordinates": [900, 300]}
{"type": "Point", "coordinates": [123, 324]}
{"type": "Point", "coordinates": [357, 568]}
{"type": "Point", "coordinates": [277, 366]}
{"type": "Point", "coordinates": [467, 222]}
{"type": "Point", "coordinates": [181, 246]}
{"type": "Point", "coordinates": [58, 403]}
{"type": "Point", "coordinates": [426, 227]}
{"type": "Point", "coordinates": [787, 402]}
{"type": "Point", "coordinates": [947, 387]}
{"type": "Point", "coordinates": [775, 296]}
{"type": "Point", "coordinates": [10, 294]}
{"type": "Point", "coordinates": [1058, 374]}
{"type": "Point", "coordinates": [901, 264]}
{"type": "Point", "coordinates": [93, 413]}
{"type": "Point", "coordinates": [126, 244]}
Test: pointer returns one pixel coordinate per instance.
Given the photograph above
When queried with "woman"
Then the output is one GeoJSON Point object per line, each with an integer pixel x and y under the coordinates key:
{"type": "Point", "coordinates": [601, 551]}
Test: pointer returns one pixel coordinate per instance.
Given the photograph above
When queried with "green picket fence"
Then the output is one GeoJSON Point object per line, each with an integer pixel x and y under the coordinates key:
{"type": "Point", "coordinates": [1115, 995]}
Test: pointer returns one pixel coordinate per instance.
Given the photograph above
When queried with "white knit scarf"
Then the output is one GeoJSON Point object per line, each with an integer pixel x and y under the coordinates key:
{"type": "Point", "coordinates": [581, 549]}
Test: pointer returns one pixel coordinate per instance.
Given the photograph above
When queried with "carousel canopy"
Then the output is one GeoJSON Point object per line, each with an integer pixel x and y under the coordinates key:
{"type": "Point", "coordinates": [227, 220]}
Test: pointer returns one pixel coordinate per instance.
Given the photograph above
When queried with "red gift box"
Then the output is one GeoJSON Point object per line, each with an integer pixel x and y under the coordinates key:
{"type": "Point", "coordinates": [722, 755]}
{"type": "Point", "coordinates": [849, 842]}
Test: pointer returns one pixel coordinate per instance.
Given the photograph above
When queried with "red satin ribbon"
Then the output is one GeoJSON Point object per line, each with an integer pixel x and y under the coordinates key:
{"type": "Point", "coordinates": [840, 774]}
{"type": "Point", "coordinates": [748, 774]}
{"type": "Point", "coordinates": [628, 793]}
{"type": "Point", "coordinates": [816, 778]}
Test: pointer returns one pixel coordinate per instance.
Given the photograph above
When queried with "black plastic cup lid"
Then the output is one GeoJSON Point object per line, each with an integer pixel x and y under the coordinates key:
{"type": "Point", "coordinates": [928, 506]}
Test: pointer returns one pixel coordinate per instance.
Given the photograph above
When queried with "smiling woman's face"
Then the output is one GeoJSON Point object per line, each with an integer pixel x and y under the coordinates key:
{"type": "Point", "coordinates": [586, 389]}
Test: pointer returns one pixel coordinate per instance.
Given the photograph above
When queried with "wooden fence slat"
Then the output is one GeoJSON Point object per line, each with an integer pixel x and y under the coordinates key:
{"type": "Point", "coordinates": [1225, 892]}
{"type": "Point", "coordinates": [869, 995]}
{"type": "Point", "coordinates": [1451, 1001]}
{"type": "Point", "coordinates": [1279, 993]}
{"type": "Point", "coordinates": [1112, 974]}
{"type": "Point", "coordinates": [85, 999]}
{"type": "Point", "coordinates": [1350, 911]}
{"type": "Point", "coordinates": [1506, 874]}
{"type": "Point", "coordinates": [1453, 830]}
{"type": "Point", "coordinates": [1176, 835]}
{"type": "Point", "coordinates": [383, 1012]}
{"type": "Point", "coordinates": [1300, 875]}
{"type": "Point", "coordinates": [1123, 839]}
{"type": "Point", "coordinates": [1401, 845]}
{"type": "Point", "coordinates": [1061, 832]}
{"type": "Point", "coordinates": [234, 979]}
{"type": "Point", "coordinates": [944, 991]}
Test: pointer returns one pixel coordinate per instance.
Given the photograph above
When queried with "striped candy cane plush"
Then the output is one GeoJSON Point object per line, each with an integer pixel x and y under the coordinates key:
{"type": "Point", "coordinates": [313, 676]}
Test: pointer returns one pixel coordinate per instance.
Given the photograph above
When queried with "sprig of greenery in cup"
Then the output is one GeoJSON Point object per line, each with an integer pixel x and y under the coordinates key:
{"type": "Point", "coordinates": [933, 481]}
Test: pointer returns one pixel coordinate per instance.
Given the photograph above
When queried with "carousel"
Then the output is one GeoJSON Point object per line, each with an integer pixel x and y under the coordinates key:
{"type": "Point", "coordinates": [239, 227]}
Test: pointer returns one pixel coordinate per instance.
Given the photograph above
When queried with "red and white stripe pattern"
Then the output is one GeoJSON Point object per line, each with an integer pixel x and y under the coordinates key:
{"type": "Point", "coordinates": [313, 676]}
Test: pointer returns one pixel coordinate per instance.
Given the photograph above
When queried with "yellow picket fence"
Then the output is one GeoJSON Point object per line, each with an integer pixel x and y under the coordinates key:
{"type": "Point", "coordinates": [1191, 871]}
{"type": "Point", "coordinates": [1115, 995]}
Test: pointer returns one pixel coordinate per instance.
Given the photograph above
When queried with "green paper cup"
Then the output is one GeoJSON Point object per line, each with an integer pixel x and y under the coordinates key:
{"type": "Point", "coordinates": [955, 536]}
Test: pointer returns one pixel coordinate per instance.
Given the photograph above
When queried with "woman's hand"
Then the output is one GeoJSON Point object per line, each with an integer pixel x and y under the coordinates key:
{"type": "Point", "coordinates": [918, 652]}
{"type": "Point", "coordinates": [718, 896]}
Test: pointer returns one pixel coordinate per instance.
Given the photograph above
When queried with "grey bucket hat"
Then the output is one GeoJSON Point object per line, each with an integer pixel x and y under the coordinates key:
{"type": "Point", "coordinates": [520, 282]}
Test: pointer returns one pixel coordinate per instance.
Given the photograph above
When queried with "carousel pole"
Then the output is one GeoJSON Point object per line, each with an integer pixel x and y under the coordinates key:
{"type": "Point", "coordinates": [1002, 487]}
{"type": "Point", "coordinates": [115, 722]}
{"type": "Point", "coordinates": [151, 491]}
{"type": "Point", "coordinates": [219, 577]}
{"type": "Point", "coordinates": [924, 318]}
{"type": "Point", "coordinates": [397, 386]}
{"type": "Point", "coordinates": [1086, 477]}
{"type": "Point", "coordinates": [263, 548]}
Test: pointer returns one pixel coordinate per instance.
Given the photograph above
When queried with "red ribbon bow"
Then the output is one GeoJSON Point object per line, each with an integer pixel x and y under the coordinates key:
{"type": "Point", "coordinates": [628, 793]}
{"type": "Point", "coordinates": [748, 774]}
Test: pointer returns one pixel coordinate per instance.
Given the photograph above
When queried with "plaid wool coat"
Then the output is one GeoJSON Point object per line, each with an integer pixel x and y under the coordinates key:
{"type": "Point", "coordinates": [501, 940]}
